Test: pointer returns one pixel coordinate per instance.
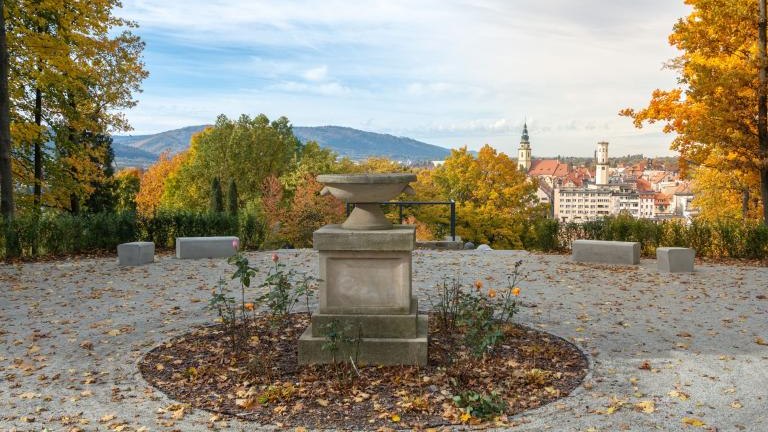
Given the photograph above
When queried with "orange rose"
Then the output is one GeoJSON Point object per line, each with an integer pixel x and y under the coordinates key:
{"type": "Point", "coordinates": [248, 306]}
{"type": "Point", "coordinates": [491, 293]}
{"type": "Point", "coordinates": [478, 284]}
{"type": "Point", "coordinates": [515, 291]}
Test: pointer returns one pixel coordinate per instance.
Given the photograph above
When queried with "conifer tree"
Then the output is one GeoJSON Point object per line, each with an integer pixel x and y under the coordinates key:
{"type": "Point", "coordinates": [232, 197]}
{"type": "Point", "coordinates": [217, 199]}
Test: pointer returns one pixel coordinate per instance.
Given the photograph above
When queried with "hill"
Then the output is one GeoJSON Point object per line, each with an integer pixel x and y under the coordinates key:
{"type": "Point", "coordinates": [357, 144]}
{"type": "Point", "coordinates": [175, 141]}
{"type": "Point", "coordinates": [353, 143]}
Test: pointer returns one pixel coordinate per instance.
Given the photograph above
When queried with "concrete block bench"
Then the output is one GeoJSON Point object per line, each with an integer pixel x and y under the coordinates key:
{"type": "Point", "coordinates": [606, 252]}
{"type": "Point", "coordinates": [135, 253]}
{"type": "Point", "coordinates": [205, 247]}
{"type": "Point", "coordinates": [675, 259]}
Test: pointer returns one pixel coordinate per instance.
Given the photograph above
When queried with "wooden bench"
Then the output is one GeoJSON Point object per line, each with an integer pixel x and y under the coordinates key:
{"type": "Point", "coordinates": [205, 247]}
{"type": "Point", "coordinates": [606, 252]}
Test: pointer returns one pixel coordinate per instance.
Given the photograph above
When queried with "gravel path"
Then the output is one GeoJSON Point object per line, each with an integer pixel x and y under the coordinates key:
{"type": "Point", "coordinates": [690, 348]}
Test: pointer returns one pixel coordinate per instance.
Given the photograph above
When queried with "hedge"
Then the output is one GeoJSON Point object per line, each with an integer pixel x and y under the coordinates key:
{"type": "Point", "coordinates": [723, 239]}
{"type": "Point", "coordinates": [62, 234]}
{"type": "Point", "coordinates": [30, 236]}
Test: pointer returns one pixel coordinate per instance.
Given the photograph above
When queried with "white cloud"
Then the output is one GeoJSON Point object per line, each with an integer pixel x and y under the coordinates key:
{"type": "Point", "coordinates": [446, 71]}
{"type": "Point", "coordinates": [319, 73]}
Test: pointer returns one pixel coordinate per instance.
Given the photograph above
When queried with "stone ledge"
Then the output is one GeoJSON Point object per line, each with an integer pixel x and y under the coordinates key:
{"type": "Point", "coordinates": [377, 351]}
{"type": "Point", "coordinates": [335, 238]}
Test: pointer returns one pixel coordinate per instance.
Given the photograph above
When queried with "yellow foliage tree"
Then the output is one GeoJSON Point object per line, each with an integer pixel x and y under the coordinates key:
{"type": "Point", "coordinates": [153, 182]}
{"type": "Point", "coordinates": [714, 112]}
{"type": "Point", "coordinates": [493, 198]}
{"type": "Point", "coordinates": [76, 67]}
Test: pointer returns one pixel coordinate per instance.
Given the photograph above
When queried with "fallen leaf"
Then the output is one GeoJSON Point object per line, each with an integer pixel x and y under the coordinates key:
{"type": "Point", "coordinates": [761, 341]}
{"type": "Point", "coordinates": [691, 421]}
{"type": "Point", "coordinates": [678, 394]}
{"type": "Point", "coordinates": [645, 406]}
{"type": "Point", "coordinates": [322, 402]}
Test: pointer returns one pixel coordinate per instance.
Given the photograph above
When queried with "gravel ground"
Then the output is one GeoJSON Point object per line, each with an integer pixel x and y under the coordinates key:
{"type": "Point", "coordinates": [687, 348]}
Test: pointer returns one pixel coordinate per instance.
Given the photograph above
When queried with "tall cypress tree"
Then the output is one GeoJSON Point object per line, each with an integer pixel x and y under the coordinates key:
{"type": "Point", "coordinates": [232, 197]}
{"type": "Point", "coordinates": [217, 198]}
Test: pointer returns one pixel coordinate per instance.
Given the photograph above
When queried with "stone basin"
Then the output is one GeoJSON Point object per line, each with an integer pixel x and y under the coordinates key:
{"type": "Point", "coordinates": [366, 191]}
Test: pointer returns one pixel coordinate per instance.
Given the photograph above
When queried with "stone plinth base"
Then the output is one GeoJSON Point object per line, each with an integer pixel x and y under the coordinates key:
{"type": "Point", "coordinates": [370, 326]}
{"type": "Point", "coordinates": [376, 351]}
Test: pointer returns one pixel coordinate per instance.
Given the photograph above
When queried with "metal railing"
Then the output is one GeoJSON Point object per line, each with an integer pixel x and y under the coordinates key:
{"type": "Point", "coordinates": [401, 204]}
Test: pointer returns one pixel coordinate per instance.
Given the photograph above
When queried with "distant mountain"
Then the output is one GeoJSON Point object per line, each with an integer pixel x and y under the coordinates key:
{"type": "Point", "coordinates": [175, 141]}
{"type": "Point", "coordinates": [132, 156]}
{"type": "Point", "coordinates": [353, 143]}
{"type": "Point", "coordinates": [357, 144]}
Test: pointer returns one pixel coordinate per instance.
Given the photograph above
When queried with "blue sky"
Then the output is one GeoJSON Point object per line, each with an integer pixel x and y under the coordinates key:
{"type": "Point", "coordinates": [447, 72]}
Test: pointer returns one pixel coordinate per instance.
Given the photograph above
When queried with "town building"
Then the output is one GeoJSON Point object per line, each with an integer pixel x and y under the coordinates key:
{"type": "Point", "coordinates": [580, 194]}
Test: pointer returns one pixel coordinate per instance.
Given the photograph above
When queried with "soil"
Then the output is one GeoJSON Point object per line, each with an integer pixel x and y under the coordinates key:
{"type": "Point", "coordinates": [263, 382]}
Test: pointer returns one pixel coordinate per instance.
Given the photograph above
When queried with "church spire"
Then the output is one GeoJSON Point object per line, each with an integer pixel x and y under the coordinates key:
{"type": "Point", "coordinates": [524, 139]}
{"type": "Point", "coordinates": [524, 152]}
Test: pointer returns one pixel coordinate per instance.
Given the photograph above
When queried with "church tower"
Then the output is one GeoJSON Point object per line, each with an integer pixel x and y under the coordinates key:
{"type": "Point", "coordinates": [524, 152]}
{"type": "Point", "coordinates": [601, 174]}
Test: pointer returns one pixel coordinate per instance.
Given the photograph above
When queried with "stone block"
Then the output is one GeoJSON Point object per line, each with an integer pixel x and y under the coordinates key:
{"type": "Point", "coordinates": [675, 259]}
{"type": "Point", "coordinates": [606, 252]}
{"type": "Point", "coordinates": [378, 351]}
{"type": "Point", "coordinates": [370, 326]}
{"type": "Point", "coordinates": [135, 253]}
{"type": "Point", "coordinates": [205, 247]}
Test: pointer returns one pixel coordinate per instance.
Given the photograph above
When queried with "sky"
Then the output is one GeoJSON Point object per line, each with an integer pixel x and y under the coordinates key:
{"type": "Point", "coordinates": [447, 72]}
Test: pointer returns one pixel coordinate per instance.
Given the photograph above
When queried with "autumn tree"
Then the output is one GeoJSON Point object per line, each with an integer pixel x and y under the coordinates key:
{"type": "Point", "coordinates": [718, 111]}
{"type": "Point", "coordinates": [307, 212]}
{"type": "Point", "coordinates": [494, 199]}
{"type": "Point", "coordinates": [153, 182]}
{"type": "Point", "coordinates": [76, 67]}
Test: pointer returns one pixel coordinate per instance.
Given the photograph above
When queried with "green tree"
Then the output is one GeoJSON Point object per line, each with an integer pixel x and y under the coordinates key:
{"type": "Point", "coordinates": [247, 149]}
{"type": "Point", "coordinates": [128, 183]}
{"type": "Point", "coordinates": [217, 200]}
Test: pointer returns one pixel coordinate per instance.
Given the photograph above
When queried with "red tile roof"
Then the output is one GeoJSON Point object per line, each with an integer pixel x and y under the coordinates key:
{"type": "Point", "coordinates": [548, 167]}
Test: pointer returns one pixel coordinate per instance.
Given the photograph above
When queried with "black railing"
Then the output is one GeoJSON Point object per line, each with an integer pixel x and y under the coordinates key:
{"type": "Point", "coordinates": [401, 204]}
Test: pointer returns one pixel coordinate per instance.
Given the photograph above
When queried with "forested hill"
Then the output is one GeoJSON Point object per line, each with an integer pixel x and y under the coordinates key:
{"type": "Point", "coordinates": [353, 143]}
{"type": "Point", "coordinates": [358, 144]}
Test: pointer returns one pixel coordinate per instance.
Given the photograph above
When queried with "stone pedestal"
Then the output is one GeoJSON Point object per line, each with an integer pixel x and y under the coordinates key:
{"type": "Point", "coordinates": [366, 287]}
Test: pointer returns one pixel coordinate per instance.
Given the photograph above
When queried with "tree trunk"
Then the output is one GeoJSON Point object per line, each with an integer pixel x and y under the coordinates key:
{"type": "Point", "coordinates": [745, 204]}
{"type": "Point", "coordinates": [38, 192]}
{"type": "Point", "coordinates": [762, 111]}
{"type": "Point", "coordinates": [6, 179]}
